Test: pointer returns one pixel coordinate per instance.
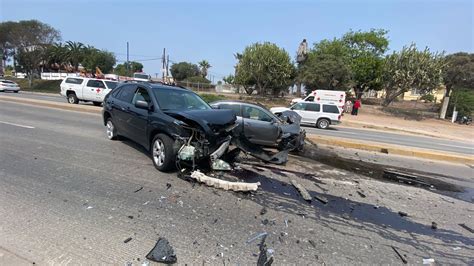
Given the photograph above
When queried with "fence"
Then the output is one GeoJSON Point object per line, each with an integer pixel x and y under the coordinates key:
{"type": "Point", "coordinates": [57, 76]}
{"type": "Point", "coordinates": [197, 86]}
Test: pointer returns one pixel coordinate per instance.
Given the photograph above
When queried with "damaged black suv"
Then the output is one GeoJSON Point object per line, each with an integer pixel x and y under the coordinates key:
{"type": "Point", "coordinates": [172, 123]}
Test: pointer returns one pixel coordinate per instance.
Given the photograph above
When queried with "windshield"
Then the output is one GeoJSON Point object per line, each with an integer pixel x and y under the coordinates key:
{"type": "Point", "coordinates": [111, 85]}
{"type": "Point", "coordinates": [173, 99]}
{"type": "Point", "coordinates": [141, 76]}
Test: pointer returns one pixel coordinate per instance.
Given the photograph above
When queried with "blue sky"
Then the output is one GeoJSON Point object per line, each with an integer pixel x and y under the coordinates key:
{"type": "Point", "coordinates": [215, 30]}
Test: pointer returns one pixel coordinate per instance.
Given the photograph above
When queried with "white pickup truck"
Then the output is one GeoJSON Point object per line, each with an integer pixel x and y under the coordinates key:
{"type": "Point", "coordinates": [86, 89]}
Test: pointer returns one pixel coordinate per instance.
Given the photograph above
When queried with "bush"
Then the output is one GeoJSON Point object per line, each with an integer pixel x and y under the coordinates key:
{"type": "Point", "coordinates": [197, 79]}
{"type": "Point", "coordinates": [463, 99]}
{"type": "Point", "coordinates": [212, 97]}
{"type": "Point", "coordinates": [38, 85]}
{"type": "Point", "coordinates": [429, 98]}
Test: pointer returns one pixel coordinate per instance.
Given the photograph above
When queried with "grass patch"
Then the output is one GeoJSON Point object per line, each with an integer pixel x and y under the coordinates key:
{"type": "Point", "coordinates": [38, 85]}
{"type": "Point", "coordinates": [212, 97]}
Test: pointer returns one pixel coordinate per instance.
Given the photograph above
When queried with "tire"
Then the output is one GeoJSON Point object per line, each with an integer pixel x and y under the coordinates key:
{"type": "Point", "coordinates": [323, 123]}
{"type": "Point", "coordinates": [96, 103]}
{"type": "Point", "coordinates": [15, 91]}
{"type": "Point", "coordinates": [162, 153]}
{"type": "Point", "coordinates": [72, 98]}
{"type": "Point", "coordinates": [111, 130]}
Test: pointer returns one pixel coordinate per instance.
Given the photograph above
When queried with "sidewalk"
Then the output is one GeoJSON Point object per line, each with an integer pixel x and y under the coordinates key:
{"type": "Point", "coordinates": [371, 117]}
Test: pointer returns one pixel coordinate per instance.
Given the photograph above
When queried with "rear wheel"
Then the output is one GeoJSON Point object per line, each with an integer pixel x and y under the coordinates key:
{"type": "Point", "coordinates": [323, 123]}
{"type": "Point", "coordinates": [110, 129]}
{"type": "Point", "coordinates": [72, 99]}
{"type": "Point", "coordinates": [97, 103]}
{"type": "Point", "coordinates": [162, 152]}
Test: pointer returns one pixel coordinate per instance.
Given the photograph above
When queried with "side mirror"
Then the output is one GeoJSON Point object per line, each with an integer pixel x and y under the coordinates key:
{"type": "Point", "coordinates": [142, 105]}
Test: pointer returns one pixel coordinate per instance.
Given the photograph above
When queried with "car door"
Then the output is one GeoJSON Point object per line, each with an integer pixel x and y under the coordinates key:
{"type": "Point", "coordinates": [259, 127]}
{"type": "Point", "coordinates": [312, 112]}
{"type": "Point", "coordinates": [101, 93]}
{"type": "Point", "coordinates": [300, 108]}
{"type": "Point", "coordinates": [138, 119]}
{"type": "Point", "coordinates": [121, 106]}
{"type": "Point", "coordinates": [92, 89]}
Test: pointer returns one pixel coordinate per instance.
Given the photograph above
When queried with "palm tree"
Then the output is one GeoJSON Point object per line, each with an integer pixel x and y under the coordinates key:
{"type": "Point", "coordinates": [57, 55]}
{"type": "Point", "coordinates": [204, 67]}
{"type": "Point", "coordinates": [75, 53]}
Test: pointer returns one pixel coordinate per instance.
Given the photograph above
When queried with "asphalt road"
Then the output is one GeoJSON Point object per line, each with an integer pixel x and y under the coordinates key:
{"type": "Point", "coordinates": [409, 140]}
{"type": "Point", "coordinates": [70, 196]}
{"type": "Point", "coordinates": [437, 144]}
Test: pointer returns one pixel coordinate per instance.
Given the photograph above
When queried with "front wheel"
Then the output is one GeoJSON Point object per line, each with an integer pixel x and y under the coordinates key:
{"type": "Point", "coordinates": [72, 98]}
{"type": "Point", "coordinates": [110, 129]}
{"type": "Point", "coordinates": [162, 152]}
{"type": "Point", "coordinates": [322, 123]}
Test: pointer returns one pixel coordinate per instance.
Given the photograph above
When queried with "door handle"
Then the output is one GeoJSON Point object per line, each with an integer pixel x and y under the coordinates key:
{"type": "Point", "coordinates": [122, 108]}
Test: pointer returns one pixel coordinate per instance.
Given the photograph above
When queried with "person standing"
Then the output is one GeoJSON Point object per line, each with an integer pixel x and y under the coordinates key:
{"type": "Point", "coordinates": [355, 108]}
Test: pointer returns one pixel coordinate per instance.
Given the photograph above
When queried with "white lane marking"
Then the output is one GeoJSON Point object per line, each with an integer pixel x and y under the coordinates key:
{"type": "Point", "coordinates": [17, 125]}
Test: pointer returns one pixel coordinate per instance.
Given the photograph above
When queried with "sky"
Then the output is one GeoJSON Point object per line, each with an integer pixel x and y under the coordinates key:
{"type": "Point", "coordinates": [215, 30]}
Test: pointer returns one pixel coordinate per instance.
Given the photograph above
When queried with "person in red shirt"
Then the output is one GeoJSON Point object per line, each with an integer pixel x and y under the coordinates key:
{"type": "Point", "coordinates": [355, 108]}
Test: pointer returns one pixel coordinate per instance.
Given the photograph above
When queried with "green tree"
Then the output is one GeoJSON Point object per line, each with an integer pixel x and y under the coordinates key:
{"type": "Point", "coordinates": [56, 56]}
{"type": "Point", "coordinates": [366, 50]}
{"type": "Point", "coordinates": [75, 53]}
{"type": "Point", "coordinates": [128, 69]}
{"type": "Point", "coordinates": [204, 65]}
{"type": "Point", "coordinates": [184, 70]}
{"type": "Point", "coordinates": [327, 67]}
{"type": "Point", "coordinates": [97, 58]}
{"type": "Point", "coordinates": [411, 68]}
{"type": "Point", "coordinates": [266, 67]}
{"type": "Point", "coordinates": [230, 79]}
{"type": "Point", "coordinates": [459, 72]}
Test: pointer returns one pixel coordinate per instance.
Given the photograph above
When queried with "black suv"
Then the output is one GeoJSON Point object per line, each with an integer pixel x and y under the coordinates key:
{"type": "Point", "coordinates": [166, 120]}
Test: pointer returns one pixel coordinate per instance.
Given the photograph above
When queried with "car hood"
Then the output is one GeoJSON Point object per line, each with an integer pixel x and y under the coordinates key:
{"type": "Point", "coordinates": [212, 121]}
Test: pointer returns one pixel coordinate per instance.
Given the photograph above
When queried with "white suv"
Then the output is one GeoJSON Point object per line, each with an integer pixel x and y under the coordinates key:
{"type": "Point", "coordinates": [319, 114]}
{"type": "Point", "coordinates": [86, 89]}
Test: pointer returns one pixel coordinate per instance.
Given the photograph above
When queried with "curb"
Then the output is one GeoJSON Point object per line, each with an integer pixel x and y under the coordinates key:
{"type": "Point", "coordinates": [50, 104]}
{"type": "Point", "coordinates": [393, 149]}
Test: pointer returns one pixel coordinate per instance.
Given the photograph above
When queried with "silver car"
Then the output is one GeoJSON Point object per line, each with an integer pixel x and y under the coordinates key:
{"type": "Point", "coordinates": [262, 127]}
{"type": "Point", "coordinates": [7, 85]}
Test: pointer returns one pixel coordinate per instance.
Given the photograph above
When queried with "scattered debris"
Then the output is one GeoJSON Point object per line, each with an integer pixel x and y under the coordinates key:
{"type": "Point", "coordinates": [456, 248]}
{"type": "Point", "coordinates": [89, 207]}
{"type": "Point", "coordinates": [265, 222]}
{"type": "Point", "coordinates": [312, 243]}
{"type": "Point", "coordinates": [407, 178]}
{"type": "Point", "coordinates": [346, 216]}
{"type": "Point", "coordinates": [138, 190]}
{"type": "Point", "coordinates": [146, 203]}
{"type": "Point", "coordinates": [361, 194]}
{"type": "Point", "coordinates": [226, 185]}
{"type": "Point", "coordinates": [168, 185]}
{"type": "Point", "coordinates": [130, 217]}
{"type": "Point", "coordinates": [127, 240]}
{"type": "Point", "coordinates": [402, 214]}
{"type": "Point", "coordinates": [304, 193]}
{"type": "Point", "coordinates": [162, 252]}
{"type": "Point", "coordinates": [263, 211]}
{"type": "Point", "coordinates": [428, 261]}
{"type": "Point", "coordinates": [256, 237]}
{"type": "Point", "coordinates": [286, 223]}
{"type": "Point", "coordinates": [321, 199]}
{"type": "Point", "coordinates": [221, 165]}
{"type": "Point", "coordinates": [434, 225]}
{"type": "Point", "coordinates": [467, 228]}
{"type": "Point", "coordinates": [384, 150]}
{"type": "Point", "coordinates": [399, 255]}
{"type": "Point", "coordinates": [265, 258]}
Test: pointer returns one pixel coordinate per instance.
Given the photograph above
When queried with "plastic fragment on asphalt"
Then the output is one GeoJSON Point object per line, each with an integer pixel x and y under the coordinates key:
{"type": "Point", "coordinates": [303, 192]}
{"type": "Point", "coordinates": [265, 258]}
{"type": "Point", "coordinates": [162, 252]}
{"type": "Point", "coordinates": [138, 190]}
{"type": "Point", "coordinates": [467, 228]}
{"type": "Point", "coordinates": [262, 234]}
{"type": "Point", "coordinates": [223, 184]}
{"type": "Point", "coordinates": [428, 261]}
{"type": "Point", "coordinates": [321, 199]}
{"type": "Point", "coordinates": [402, 214]}
{"type": "Point", "coordinates": [127, 240]}
{"type": "Point", "coordinates": [456, 248]}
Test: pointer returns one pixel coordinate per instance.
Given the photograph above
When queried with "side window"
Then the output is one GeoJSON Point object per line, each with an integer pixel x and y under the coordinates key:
{"type": "Point", "coordinates": [299, 106]}
{"type": "Point", "coordinates": [313, 107]}
{"type": "Point", "coordinates": [310, 99]}
{"type": "Point", "coordinates": [255, 114]}
{"type": "Point", "coordinates": [74, 81]}
{"type": "Point", "coordinates": [330, 109]}
{"type": "Point", "coordinates": [91, 83]}
{"type": "Point", "coordinates": [126, 93]}
{"type": "Point", "coordinates": [141, 95]}
{"type": "Point", "coordinates": [116, 92]}
{"type": "Point", "coordinates": [233, 107]}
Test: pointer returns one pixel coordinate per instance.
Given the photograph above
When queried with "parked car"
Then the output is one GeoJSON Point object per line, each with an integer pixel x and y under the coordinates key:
{"type": "Point", "coordinates": [86, 89]}
{"type": "Point", "coordinates": [319, 115]}
{"type": "Point", "coordinates": [324, 96]}
{"type": "Point", "coordinates": [8, 85]}
{"type": "Point", "coordinates": [262, 127]}
{"type": "Point", "coordinates": [172, 123]}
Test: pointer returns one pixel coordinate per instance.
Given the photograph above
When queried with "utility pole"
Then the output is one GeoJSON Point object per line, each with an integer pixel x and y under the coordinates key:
{"type": "Point", "coordinates": [128, 63]}
{"type": "Point", "coordinates": [167, 65]}
{"type": "Point", "coordinates": [163, 62]}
